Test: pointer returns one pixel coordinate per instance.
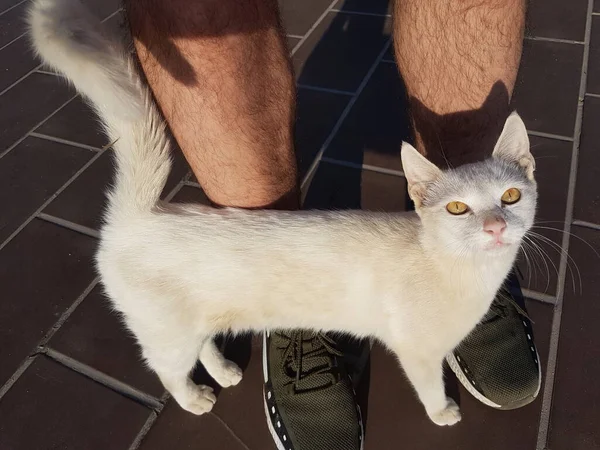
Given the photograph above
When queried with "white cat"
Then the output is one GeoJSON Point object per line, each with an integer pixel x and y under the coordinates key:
{"type": "Point", "coordinates": [181, 274]}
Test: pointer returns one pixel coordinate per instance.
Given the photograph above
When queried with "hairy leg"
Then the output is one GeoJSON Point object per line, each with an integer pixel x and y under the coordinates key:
{"type": "Point", "coordinates": [220, 72]}
{"type": "Point", "coordinates": [459, 61]}
{"type": "Point", "coordinates": [225, 372]}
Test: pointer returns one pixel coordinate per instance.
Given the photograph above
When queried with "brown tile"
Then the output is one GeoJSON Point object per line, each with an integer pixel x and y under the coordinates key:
{"type": "Point", "coordinates": [576, 400]}
{"type": "Point", "coordinates": [291, 42]}
{"type": "Point", "coordinates": [52, 407]}
{"type": "Point", "coordinates": [75, 122]}
{"type": "Point", "coordinates": [12, 23]}
{"type": "Point", "coordinates": [371, 6]}
{"type": "Point", "coordinates": [593, 78]}
{"type": "Point", "coordinates": [587, 194]}
{"type": "Point", "coordinates": [191, 194]}
{"type": "Point", "coordinates": [95, 335]}
{"type": "Point", "coordinates": [299, 17]}
{"type": "Point", "coordinates": [557, 19]}
{"type": "Point", "coordinates": [32, 172]}
{"type": "Point", "coordinates": [103, 8]}
{"type": "Point", "coordinates": [596, 5]}
{"type": "Point", "coordinates": [316, 115]}
{"type": "Point", "coordinates": [44, 269]}
{"type": "Point", "coordinates": [6, 4]}
{"type": "Point", "coordinates": [373, 131]}
{"type": "Point", "coordinates": [176, 429]}
{"type": "Point", "coordinates": [83, 202]}
{"type": "Point", "coordinates": [548, 86]}
{"type": "Point", "coordinates": [28, 103]}
{"type": "Point", "coordinates": [341, 50]}
{"type": "Point", "coordinates": [17, 60]}
{"type": "Point", "coordinates": [553, 165]}
{"type": "Point", "coordinates": [395, 415]}
{"type": "Point", "coordinates": [337, 187]}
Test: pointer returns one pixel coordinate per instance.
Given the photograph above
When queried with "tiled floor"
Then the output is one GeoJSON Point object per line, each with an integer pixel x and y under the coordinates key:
{"type": "Point", "coordinates": [70, 377]}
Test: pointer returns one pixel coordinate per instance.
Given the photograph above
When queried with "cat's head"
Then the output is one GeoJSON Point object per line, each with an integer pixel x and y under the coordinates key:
{"type": "Point", "coordinates": [481, 208]}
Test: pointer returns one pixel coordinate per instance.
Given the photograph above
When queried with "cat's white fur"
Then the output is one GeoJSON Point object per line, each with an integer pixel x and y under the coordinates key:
{"type": "Point", "coordinates": [181, 274]}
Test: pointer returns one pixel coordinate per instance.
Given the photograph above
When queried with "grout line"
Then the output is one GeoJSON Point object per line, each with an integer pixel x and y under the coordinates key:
{"type": "Point", "coordinates": [47, 72]}
{"type": "Point", "coordinates": [110, 16]}
{"type": "Point", "coordinates": [596, 14]}
{"type": "Point", "coordinates": [323, 89]}
{"type": "Point", "coordinates": [14, 40]}
{"type": "Point", "coordinates": [343, 116]}
{"type": "Point", "coordinates": [5, 152]}
{"type": "Point", "coordinates": [20, 79]}
{"type": "Point", "coordinates": [353, 165]}
{"type": "Point", "coordinates": [589, 94]}
{"type": "Point", "coordinates": [64, 316]}
{"type": "Point", "coordinates": [546, 411]}
{"type": "Point", "coordinates": [64, 141]}
{"type": "Point", "coordinates": [12, 7]}
{"type": "Point", "coordinates": [69, 225]}
{"type": "Point", "coordinates": [360, 13]}
{"type": "Point", "coordinates": [539, 296]}
{"type": "Point", "coordinates": [104, 379]}
{"type": "Point", "coordinates": [549, 39]}
{"type": "Point", "coordinates": [144, 431]}
{"type": "Point", "coordinates": [558, 137]}
{"type": "Point", "coordinates": [52, 197]}
{"type": "Point", "coordinates": [294, 36]}
{"type": "Point", "coordinates": [583, 223]}
{"type": "Point", "coordinates": [16, 375]}
{"type": "Point", "coordinates": [313, 27]}
{"type": "Point", "coordinates": [192, 184]}
{"type": "Point", "coordinates": [228, 428]}
{"type": "Point", "coordinates": [388, 61]}
{"type": "Point", "coordinates": [174, 191]}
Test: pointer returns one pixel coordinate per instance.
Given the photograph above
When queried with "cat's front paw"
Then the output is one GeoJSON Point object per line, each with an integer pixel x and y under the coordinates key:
{"type": "Point", "coordinates": [197, 399]}
{"type": "Point", "coordinates": [450, 415]}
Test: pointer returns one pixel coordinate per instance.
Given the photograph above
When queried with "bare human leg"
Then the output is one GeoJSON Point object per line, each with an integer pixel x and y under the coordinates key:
{"type": "Point", "coordinates": [220, 72]}
{"type": "Point", "coordinates": [459, 61]}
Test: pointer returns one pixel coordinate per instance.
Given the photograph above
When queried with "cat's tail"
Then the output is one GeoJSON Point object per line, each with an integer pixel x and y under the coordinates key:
{"type": "Point", "coordinates": [72, 41]}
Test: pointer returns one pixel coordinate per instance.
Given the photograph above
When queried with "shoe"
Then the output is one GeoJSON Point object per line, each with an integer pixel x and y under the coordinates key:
{"type": "Point", "coordinates": [498, 362]}
{"type": "Point", "coordinates": [309, 399]}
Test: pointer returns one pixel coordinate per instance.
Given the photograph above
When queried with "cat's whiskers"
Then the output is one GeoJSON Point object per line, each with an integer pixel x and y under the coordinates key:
{"type": "Point", "coordinates": [537, 251]}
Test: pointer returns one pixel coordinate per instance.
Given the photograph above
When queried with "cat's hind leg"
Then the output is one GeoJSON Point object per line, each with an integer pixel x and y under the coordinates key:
{"type": "Point", "coordinates": [225, 372]}
{"type": "Point", "coordinates": [173, 365]}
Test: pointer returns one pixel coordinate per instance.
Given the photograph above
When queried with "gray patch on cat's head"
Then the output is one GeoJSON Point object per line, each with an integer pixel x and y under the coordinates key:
{"type": "Point", "coordinates": [480, 186]}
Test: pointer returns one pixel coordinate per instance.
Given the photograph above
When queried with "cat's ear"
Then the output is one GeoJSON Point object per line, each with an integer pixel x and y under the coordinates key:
{"type": "Point", "coordinates": [513, 145]}
{"type": "Point", "coordinates": [419, 172]}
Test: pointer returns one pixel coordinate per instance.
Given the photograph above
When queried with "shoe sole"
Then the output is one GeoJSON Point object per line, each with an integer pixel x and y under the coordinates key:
{"type": "Point", "coordinates": [278, 442]}
{"type": "Point", "coordinates": [453, 363]}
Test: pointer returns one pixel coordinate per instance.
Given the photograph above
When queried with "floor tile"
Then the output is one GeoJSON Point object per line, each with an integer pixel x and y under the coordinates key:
{"type": "Point", "coordinates": [95, 335]}
{"type": "Point", "coordinates": [191, 194]}
{"type": "Point", "coordinates": [31, 173]}
{"type": "Point", "coordinates": [177, 429]}
{"type": "Point", "coordinates": [596, 5]}
{"type": "Point", "coordinates": [316, 115]}
{"type": "Point", "coordinates": [373, 131]}
{"type": "Point", "coordinates": [593, 78]}
{"type": "Point", "coordinates": [557, 19]}
{"type": "Point", "coordinates": [7, 4]}
{"type": "Point", "coordinates": [341, 50]}
{"type": "Point", "coordinates": [548, 86]}
{"type": "Point", "coordinates": [337, 187]}
{"type": "Point", "coordinates": [576, 401]}
{"type": "Point", "coordinates": [553, 165]}
{"type": "Point", "coordinates": [17, 60]}
{"type": "Point", "coordinates": [12, 23]}
{"type": "Point", "coordinates": [52, 407]}
{"type": "Point", "coordinates": [291, 42]}
{"type": "Point", "coordinates": [370, 6]}
{"type": "Point", "coordinates": [395, 415]}
{"type": "Point", "coordinates": [83, 202]}
{"type": "Point", "coordinates": [37, 289]}
{"type": "Point", "coordinates": [103, 8]}
{"type": "Point", "coordinates": [28, 103]}
{"type": "Point", "coordinates": [299, 17]}
{"type": "Point", "coordinates": [75, 122]}
{"type": "Point", "coordinates": [587, 194]}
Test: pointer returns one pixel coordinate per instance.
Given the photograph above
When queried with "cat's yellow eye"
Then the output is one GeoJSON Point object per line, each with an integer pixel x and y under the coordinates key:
{"type": "Point", "coordinates": [512, 195]}
{"type": "Point", "coordinates": [457, 208]}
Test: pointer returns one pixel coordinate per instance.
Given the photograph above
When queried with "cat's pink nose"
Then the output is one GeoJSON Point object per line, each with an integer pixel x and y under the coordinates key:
{"type": "Point", "coordinates": [494, 226]}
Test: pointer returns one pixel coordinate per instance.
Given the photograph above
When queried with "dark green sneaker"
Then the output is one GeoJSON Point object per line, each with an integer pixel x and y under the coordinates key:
{"type": "Point", "coordinates": [309, 399]}
{"type": "Point", "coordinates": [498, 362]}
